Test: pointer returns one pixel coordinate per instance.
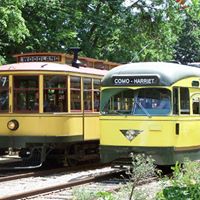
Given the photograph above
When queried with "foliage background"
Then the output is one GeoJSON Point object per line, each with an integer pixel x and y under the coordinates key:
{"type": "Point", "coordinates": [116, 30]}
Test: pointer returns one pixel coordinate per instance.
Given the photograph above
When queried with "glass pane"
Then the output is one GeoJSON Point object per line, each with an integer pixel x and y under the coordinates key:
{"type": "Point", "coordinates": [4, 82]}
{"type": "Point", "coordinates": [26, 100]}
{"type": "Point", "coordinates": [87, 83]}
{"type": "Point", "coordinates": [26, 82]}
{"type": "Point", "coordinates": [153, 102]}
{"type": "Point", "coordinates": [75, 100]}
{"type": "Point", "coordinates": [75, 82]}
{"type": "Point", "coordinates": [147, 101]}
{"type": "Point", "coordinates": [88, 100]}
{"type": "Point", "coordinates": [196, 103]}
{"type": "Point", "coordinates": [97, 83]}
{"type": "Point", "coordinates": [55, 81]}
{"type": "Point", "coordinates": [4, 100]}
{"type": "Point", "coordinates": [175, 101]}
{"type": "Point", "coordinates": [196, 108]}
{"type": "Point", "coordinates": [185, 101]}
{"type": "Point", "coordinates": [55, 93]}
{"type": "Point", "coordinates": [4, 88]}
{"type": "Point", "coordinates": [26, 93]}
{"type": "Point", "coordinates": [96, 101]}
{"type": "Point", "coordinates": [96, 91]}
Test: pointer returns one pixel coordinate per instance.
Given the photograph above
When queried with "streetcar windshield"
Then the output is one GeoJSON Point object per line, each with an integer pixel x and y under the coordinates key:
{"type": "Point", "coordinates": [144, 101]}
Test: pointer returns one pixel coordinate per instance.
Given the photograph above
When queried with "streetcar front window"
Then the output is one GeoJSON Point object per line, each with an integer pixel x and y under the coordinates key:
{"type": "Point", "coordinates": [26, 94]}
{"type": "Point", "coordinates": [145, 101]}
{"type": "Point", "coordinates": [55, 93]}
{"type": "Point", "coordinates": [4, 93]}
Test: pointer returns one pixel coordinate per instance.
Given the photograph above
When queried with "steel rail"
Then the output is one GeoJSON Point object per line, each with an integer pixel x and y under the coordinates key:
{"type": "Point", "coordinates": [49, 172]}
{"type": "Point", "coordinates": [61, 186]}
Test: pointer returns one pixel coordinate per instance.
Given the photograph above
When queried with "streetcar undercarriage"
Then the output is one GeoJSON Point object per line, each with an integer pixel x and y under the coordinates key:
{"type": "Point", "coordinates": [35, 155]}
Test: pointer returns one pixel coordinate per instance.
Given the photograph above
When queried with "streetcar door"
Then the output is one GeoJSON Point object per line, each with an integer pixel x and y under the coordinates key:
{"type": "Point", "coordinates": [181, 101]}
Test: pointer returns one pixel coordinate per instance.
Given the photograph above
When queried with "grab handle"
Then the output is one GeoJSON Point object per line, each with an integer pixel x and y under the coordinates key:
{"type": "Point", "coordinates": [177, 128]}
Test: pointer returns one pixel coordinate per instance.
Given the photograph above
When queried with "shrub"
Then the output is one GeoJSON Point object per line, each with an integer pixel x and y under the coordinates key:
{"type": "Point", "coordinates": [184, 183]}
{"type": "Point", "coordinates": [142, 167]}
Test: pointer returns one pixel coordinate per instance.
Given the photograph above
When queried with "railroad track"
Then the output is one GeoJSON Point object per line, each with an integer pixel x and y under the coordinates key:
{"type": "Point", "coordinates": [89, 187]}
{"type": "Point", "coordinates": [20, 175]}
{"type": "Point", "coordinates": [60, 183]}
{"type": "Point", "coordinates": [13, 175]}
{"type": "Point", "coordinates": [31, 184]}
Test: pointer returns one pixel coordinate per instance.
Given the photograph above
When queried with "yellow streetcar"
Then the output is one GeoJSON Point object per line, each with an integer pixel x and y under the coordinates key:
{"type": "Point", "coordinates": [50, 109]}
{"type": "Point", "coordinates": [151, 108]}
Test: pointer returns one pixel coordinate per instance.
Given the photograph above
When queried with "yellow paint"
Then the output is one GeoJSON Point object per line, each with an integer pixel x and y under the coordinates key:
{"type": "Point", "coordinates": [68, 94]}
{"type": "Point", "coordinates": [154, 131]}
{"type": "Point", "coordinates": [155, 127]}
{"type": "Point", "coordinates": [157, 131]}
{"type": "Point", "coordinates": [52, 125]}
{"type": "Point", "coordinates": [10, 94]}
{"type": "Point", "coordinates": [91, 128]}
{"type": "Point", "coordinates": [186, 82]}
{"type": "Point", "coordinates": [41, 93]}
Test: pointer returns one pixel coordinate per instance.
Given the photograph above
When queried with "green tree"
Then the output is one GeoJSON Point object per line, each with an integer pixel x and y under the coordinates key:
{"type": "Point", "coordinates": [12, 25]}
{"type": "Point", "coordinates": [105, 29]}
{"type": "Point", "coordinates": [187, 48]}
{"type": "Point", "coordinates": [151, 29]}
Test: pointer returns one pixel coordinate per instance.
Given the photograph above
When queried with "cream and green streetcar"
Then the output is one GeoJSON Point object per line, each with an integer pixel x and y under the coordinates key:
{"type": "Point", "coordinates": [151, 108]}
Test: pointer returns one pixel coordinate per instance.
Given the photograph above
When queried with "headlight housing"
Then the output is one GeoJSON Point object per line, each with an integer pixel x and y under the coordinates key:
{"type": "Point", "coordinates": [13, 125]}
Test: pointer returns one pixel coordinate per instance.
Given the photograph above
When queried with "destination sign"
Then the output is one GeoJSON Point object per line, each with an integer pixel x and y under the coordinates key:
{"type": "Point", "coordinates": [135, 80]}
{"type": "Point", "coordinates": [41, 58]}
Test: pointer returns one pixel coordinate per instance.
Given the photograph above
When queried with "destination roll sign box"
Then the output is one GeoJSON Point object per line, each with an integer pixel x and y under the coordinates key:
{"type": "Point", "coordinates": [135, 80]}
{"type": "Point", "coordinates": [40, 58]}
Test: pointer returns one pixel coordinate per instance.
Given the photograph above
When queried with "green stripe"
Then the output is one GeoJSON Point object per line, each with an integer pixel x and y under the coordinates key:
{"type": "Point", "coordinates": [161, 155]}
{"type": "Point", "coordinates": [20, 141]}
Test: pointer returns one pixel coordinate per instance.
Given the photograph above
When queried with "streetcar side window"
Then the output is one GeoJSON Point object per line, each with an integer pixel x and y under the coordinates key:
{"type": "Point", "coordinates": [4, 88]}
{"type": "Point", "coordinates": [87, 94]}
{"type": "Point", "coordinates": [75, 91]}
{"type": "Point", "coordinates": [55, 93]}
{"type": "Point", "coordinates": [175, 101]}
{"type": "Point", "coordinates": [26, 93]}
{"type": "Point", "coordinates": [196, 104]}
{"type": "Point", "coordinates": [96, 93]}
{"type": "Point", "coordinates": [184, 101]}
{"type": "Point", "coordinates": [196, 108]}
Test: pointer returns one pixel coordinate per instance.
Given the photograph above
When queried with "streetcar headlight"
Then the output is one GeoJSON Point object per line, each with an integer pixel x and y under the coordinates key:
{"type": "Point", "coordinates": [13, 125]}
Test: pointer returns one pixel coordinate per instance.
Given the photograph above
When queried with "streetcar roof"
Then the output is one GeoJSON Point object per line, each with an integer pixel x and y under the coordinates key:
{"type": "Point", "coordinates": [168, 73]}
{"type": "Point", "coordinates": [54, 67]}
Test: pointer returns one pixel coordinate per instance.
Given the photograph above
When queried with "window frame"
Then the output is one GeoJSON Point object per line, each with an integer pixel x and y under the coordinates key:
{"type": "Point", "coordinates": [2, 90]}
{"type": "Point", "coordinates": [144, 101]}
{"type": "Point", "coordinates": [79, 91]}
{"type": "Point", "coordinates": [56, 105]}
{"type": "Point", "coordinates": [88, 91]}
{"type": "Point", "coordinates": [16, 91]}
{"type": "Point", "coordinates": [96, 99]}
